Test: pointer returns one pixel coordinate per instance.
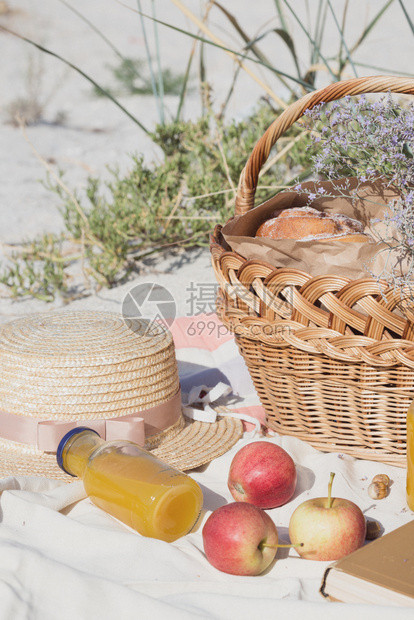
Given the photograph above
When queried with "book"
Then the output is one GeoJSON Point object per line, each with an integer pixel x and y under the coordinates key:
{"type": "Point", "coordinates": [381, 572]}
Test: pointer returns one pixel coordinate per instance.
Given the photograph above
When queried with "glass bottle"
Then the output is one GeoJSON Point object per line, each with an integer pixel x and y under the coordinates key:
{"type": "Point", "coordinates": [410, 456]}
{"type": "Point", "coordinates": [131, 484]}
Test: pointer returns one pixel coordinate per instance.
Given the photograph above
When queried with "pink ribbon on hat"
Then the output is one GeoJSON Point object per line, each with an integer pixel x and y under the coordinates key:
{"type": "Point", "coordinates": [46, 434]}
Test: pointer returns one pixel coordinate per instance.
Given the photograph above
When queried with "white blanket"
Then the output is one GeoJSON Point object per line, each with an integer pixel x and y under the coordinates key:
{"type": "Point", "coordinates": [61, 557]}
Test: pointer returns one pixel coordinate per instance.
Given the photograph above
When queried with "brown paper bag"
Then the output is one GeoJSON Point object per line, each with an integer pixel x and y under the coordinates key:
{"type": "Point", "coordinates": [351, 259]}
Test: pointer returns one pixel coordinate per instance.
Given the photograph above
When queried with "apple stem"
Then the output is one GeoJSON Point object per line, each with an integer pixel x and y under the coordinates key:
{"type": "Point", "coordinates": [330, 490]}
{"type": "Point", "coordinates": [277, 546]}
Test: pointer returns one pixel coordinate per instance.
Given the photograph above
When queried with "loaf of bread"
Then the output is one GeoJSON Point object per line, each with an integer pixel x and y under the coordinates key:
{"type": "Point", "coordinates": [306, 223]}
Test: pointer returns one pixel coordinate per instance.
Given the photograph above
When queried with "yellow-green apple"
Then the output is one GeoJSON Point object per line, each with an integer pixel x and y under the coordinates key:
{"type": "Point", "coordinates": [329, 528]}
{"type": "Point", "coordinates": [263, 474]}
{"type": "Point", "coordinates": [240, 539]}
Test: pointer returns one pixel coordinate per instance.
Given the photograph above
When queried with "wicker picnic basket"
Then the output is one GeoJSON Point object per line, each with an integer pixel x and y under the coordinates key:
{"type": "Point", "coordinates": [332, 359]}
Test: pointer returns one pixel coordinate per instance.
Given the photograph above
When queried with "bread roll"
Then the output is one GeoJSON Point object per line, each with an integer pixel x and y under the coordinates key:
{"type": "Point", "coordinates": [306, 223]}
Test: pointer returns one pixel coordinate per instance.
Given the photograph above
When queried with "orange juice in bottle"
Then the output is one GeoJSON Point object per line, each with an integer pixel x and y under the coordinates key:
{"type": "Point", "coordinates": [410, 456]}
{"type": "Point", "coordinates": [131, 484]}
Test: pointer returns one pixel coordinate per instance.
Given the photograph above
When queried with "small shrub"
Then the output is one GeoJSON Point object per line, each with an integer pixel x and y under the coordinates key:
{"type": "Point", "coordinates": [130, 78]}
{"type": "Point", "coordinates": [175, 203]}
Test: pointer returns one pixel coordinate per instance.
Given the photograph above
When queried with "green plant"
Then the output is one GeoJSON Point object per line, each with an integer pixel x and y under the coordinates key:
{"type": "Point", "coordinates": [129, 76]}
{"type": "Point", "coordinates": [313, 28]}
{"type": "Point", "coordinates": [247, 56]}
{"type": "Point", "coordinates": [177, 202]}
{"type": "Point", "coordinates": [38, 270]}
{"type": "Point", "coordinates": [30, 107]}
{"type": "Point", "coordinates": [153, 207]}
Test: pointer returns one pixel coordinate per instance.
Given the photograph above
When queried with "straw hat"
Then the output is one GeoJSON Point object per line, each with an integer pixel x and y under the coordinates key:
{"type": "Point", "coordinates": [119, 376]}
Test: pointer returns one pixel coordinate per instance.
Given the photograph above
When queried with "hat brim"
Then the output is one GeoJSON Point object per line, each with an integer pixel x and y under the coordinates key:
{"type": "Point", "coordinates": [193, 444]}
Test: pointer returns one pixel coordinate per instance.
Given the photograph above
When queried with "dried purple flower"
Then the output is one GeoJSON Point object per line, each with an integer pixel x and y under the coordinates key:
{"type": "Point", "coordinates": [372, 141]}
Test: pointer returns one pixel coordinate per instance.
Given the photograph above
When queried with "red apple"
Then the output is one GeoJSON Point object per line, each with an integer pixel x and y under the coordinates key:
{"type": "Point", "coordinates": [236, 538]}
{"type": "Point", "coordinates": [263, 474]}
{"type": "Point", "coordinates": [329, 528]}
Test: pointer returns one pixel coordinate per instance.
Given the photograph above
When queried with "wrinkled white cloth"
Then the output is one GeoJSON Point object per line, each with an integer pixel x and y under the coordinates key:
{"type": "Point", "coordinates": [62, 557]}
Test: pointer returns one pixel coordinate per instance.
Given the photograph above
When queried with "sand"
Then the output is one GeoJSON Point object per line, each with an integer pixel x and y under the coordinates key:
{"type": "Point", "coordinates": [84, 135]}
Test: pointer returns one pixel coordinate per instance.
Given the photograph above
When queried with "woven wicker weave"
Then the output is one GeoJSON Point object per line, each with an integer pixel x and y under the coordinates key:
{"type": "Point", "coordinates": [332, 359]}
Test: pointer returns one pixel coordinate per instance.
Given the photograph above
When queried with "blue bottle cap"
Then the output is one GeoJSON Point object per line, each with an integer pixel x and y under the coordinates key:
{"type": "Point", "coordinates": [63, 442]}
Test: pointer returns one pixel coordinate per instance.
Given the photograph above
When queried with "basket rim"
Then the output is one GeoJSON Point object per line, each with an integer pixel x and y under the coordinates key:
{"type": "Point", "coordinates": [242, 318]}
{"type": "Point", "coordinates": [245, 196]}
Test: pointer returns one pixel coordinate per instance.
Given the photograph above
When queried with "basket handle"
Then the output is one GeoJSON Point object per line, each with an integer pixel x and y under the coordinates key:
{"type": "Point", "coordinates": [250, 174]}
